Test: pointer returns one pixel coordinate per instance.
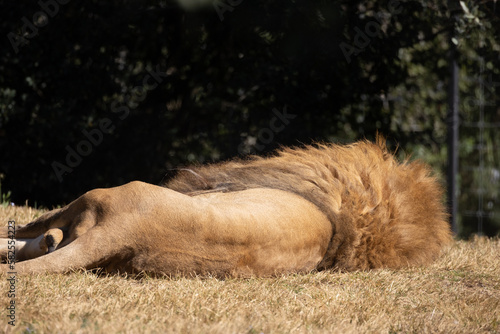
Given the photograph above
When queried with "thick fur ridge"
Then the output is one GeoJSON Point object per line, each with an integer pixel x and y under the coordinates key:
{"type": "Point", "coordinates": [384, 213]}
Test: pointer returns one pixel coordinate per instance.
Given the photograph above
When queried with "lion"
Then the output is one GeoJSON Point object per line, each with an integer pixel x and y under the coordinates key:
{"type": "Point", "coordinates": [317, 207]}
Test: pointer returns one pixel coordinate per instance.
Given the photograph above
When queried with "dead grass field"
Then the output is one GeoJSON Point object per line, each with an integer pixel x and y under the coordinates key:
{"type": "Point", "coordinates": [460, 293]}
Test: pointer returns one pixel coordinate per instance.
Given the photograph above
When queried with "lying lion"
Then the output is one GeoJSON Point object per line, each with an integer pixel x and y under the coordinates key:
{"type": "Point", "coordinates": [345, 207]}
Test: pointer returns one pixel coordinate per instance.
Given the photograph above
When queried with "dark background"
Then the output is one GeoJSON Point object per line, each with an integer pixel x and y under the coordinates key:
{"type": "Point", "coordinates": [223, 74]}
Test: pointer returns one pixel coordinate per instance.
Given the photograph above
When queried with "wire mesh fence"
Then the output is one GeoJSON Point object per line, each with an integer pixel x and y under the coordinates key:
{"type": "Point", "coordinates": [479, 179]}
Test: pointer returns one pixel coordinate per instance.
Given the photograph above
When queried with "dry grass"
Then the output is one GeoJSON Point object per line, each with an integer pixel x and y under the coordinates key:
{"type": "Point", "coordinates": [460, 293]}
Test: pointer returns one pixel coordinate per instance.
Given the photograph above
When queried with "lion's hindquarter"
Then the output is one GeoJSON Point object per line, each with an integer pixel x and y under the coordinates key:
{"type": "Point", "coordinates": [252, 232]}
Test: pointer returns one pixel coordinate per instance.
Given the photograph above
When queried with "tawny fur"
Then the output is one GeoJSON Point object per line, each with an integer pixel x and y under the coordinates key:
{"type": "Point", "coordinates": [383, 213]}
{"type": "Point", "coordinates": [351, 207]}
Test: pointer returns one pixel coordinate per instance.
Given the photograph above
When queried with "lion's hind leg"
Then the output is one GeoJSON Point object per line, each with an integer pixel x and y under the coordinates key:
{"type": "Point", "coordinates": [42, 224]}
{"type": "Point", "coordinates": [52, 230]}
{"type": "Point", "coordinates": [26, 249]}
{"type": "Point", "coordinates": [86, 252]}
{"type": "Point", "coordinates": [34, 239]}
{"type": "Point", "coordinates": [51, 219]}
